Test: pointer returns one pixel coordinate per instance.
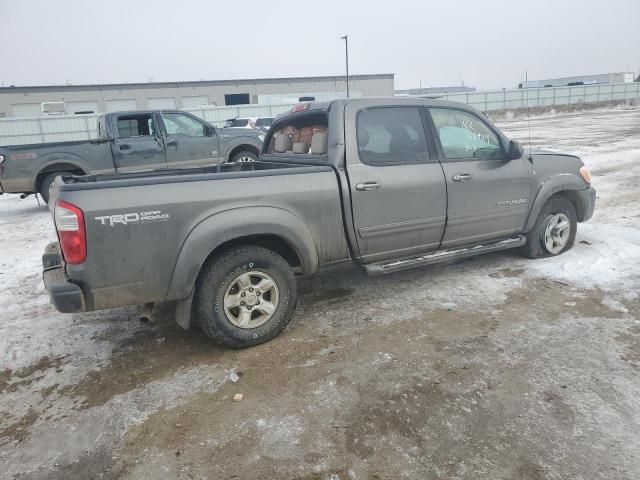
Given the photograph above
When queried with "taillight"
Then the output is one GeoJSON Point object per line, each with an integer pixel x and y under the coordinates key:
{"type": "Point", "coordinates": [72, 234]}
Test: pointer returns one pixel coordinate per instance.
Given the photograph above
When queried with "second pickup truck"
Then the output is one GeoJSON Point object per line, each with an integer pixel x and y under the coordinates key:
{"type": "Point", "coordinates": [127, 142]}
{"type": "Point", "coordinates": [389, 184]}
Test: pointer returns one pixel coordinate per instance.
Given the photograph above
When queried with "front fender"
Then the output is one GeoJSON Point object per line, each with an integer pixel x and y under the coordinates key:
{"type": "Point", "coordinates": [233, 142]}
{"type": "Point", "coordinates": [233, 224]}
{"type": "Point", "coordinates": [552, 185]}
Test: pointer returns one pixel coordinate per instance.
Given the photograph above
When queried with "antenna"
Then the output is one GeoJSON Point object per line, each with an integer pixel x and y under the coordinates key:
{"type": "Point", "coordinates": [526, 80]}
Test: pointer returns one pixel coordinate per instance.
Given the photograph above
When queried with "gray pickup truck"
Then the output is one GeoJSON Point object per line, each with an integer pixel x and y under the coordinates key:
{"type": "Point", "coordinates": [127, 142]}
{"type": "Point", "coordinates": [389, 184]}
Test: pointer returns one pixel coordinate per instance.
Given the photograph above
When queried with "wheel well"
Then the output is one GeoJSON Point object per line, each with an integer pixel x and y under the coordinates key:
{"type": "Point", "coordinates": [240, 148]}
{"type": "Point", "coordinates": [58, 167]}
{"type": "Point", "coordinates": [271, 242]}
{"type": "Point", "coordinates": [572, 196]}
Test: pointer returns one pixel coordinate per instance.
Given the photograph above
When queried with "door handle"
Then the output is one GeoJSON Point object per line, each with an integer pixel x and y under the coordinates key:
{"type": "Point", "coordinates": [125, 147]}
{"type": "Point", "coordinates": [461, 177]}
{"type": "Point", "coordinates": [363, 187]}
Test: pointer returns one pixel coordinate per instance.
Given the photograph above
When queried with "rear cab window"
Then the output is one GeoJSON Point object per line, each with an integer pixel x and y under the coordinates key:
{"type": "Point", "coordinates": [135, 125]}
{"type": "Point", "coordinates": [305, 134]}
{"type": "Point", "coordinates": [391, 136]}
{"type": "Point", "coordinates": [102, 130]}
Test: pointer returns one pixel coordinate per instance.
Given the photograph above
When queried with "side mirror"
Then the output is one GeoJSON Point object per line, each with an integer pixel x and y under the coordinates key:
{"type": "Point", "coordinates": [209, 130]}
{"type": "Point", "coordinates": [515, 150]}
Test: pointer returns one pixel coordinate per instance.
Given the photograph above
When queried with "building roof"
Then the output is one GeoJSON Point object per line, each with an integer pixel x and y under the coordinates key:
{"type": "Point", "coordinates": [199, 83]}
{"type": "Point", "coordinates": [429, 90]}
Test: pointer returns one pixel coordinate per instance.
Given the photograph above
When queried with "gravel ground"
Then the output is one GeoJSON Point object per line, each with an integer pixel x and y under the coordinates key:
{"type": "Point", "coordinates": [495, 367]}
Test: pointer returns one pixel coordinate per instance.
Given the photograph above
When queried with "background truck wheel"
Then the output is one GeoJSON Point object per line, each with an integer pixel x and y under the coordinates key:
{"type": "Point", "coordinates": [245, 297]}
{"type": "Point", "coordinates": [244, 156]}
{"type": "Point", "coordinates": [45, 184]}
{"type": "Point", "coordinates": [554, 231]}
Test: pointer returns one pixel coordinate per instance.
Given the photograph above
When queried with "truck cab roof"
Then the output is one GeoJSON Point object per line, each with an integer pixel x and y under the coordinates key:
{"type": "Point", "coordinates": [374, 101]}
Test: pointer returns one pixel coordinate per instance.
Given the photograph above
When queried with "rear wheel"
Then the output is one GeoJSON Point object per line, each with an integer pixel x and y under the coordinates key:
{"type": "Point", "coordinates": [245, 297]}
{"type": "Point", "coordinates": [554, 231]}
{"type": "Point", "coordinates": [46, 183]}
{"type": "Point", "coordinates": [244, 156]}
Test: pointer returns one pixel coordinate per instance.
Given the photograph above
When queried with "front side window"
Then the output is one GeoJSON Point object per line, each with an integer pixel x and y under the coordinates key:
{"type": "Point", "coordinates": [463, 135]}
{"type": "Point", "coordinates": [180, 124]}
{"type": "Point", "coordinates": [391, 135]}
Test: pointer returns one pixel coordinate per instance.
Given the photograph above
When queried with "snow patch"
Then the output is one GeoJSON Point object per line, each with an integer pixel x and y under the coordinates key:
{"type": "Point", "coordinates": [610, 261]}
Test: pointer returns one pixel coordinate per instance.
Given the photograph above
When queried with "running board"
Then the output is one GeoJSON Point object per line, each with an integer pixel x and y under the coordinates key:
{"type": "Point", "coordinates": [391, 266]}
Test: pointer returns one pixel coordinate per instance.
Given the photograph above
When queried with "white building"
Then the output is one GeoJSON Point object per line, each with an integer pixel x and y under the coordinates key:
{"type": "Point", "coordinates": [620, 77]}
{"type": "Point", "coordinates": [27, 101]}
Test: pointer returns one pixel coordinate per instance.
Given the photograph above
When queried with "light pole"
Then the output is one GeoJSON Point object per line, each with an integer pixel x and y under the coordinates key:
{"type": "Point", "coordinates": [346, 57]}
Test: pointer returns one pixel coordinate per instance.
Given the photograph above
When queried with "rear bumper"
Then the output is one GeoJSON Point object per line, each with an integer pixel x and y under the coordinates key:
{"type": "Point", "coordinates": [588, 202]}
{"type": "Point", "coordinates": [65, 296]}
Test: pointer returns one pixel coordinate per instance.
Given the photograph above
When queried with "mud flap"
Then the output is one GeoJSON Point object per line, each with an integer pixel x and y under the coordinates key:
{"type": "Point", "coordinates": [183, 311]}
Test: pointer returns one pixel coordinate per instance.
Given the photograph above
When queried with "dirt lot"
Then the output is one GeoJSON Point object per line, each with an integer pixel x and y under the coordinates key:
{"type": "Point", "coordinates": [496, 367]}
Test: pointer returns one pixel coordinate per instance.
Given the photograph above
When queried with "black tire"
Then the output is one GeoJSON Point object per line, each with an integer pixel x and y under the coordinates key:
{"type": "Point", "coordinates": [45, 184]}
{"type": "Point", "coordinates": [535, 246]}
{"type": "Point", "coordinates": [244, 156]}
{"type": "Point", "coordinates": [221, 274]}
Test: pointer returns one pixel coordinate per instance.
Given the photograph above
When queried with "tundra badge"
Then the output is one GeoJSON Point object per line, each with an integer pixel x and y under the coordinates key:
{"type": "Point", "coordinates": [511, 203]}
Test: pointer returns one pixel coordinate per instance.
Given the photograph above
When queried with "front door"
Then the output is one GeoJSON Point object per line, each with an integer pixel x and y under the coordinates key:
{"type": "Point", "coordinates": [189, 141]}
{"type": "Point", "coordinates": [137, 145]}
{"type": "Point", "coordinates": [488, 195]}
{"type": "Point", "coordinates": [398, 190]}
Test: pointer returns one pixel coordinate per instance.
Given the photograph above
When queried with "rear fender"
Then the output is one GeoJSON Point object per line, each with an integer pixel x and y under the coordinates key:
{"type": "Point", "coordinates": [66, 161]}
{"type": "Point", "coordinates": [550, 187]}
{"type": "Point", "coordinates": [234, 224]}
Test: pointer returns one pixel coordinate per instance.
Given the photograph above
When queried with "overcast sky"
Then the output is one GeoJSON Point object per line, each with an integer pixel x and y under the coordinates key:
{"type": "Point", "coordinates": [485, 43]}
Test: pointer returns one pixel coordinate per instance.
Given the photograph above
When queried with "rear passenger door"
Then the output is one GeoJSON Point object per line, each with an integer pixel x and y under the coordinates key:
{"type": "Point", "coordinates": [398, 191]}
{"type": "Point", "coordinates": [189, 141]}
{"type": "Point", "coordinates": [137, 145]}
{"type": "Point", "coordinates": [488, 194]}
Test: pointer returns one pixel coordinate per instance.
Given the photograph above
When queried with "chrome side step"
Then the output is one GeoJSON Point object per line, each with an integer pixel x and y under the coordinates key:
{"type": "Point", "coordinates": [391, 266]}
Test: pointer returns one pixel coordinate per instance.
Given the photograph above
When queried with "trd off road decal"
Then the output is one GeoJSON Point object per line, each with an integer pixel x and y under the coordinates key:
{"type": "Point", "coordinates": [133, 218]}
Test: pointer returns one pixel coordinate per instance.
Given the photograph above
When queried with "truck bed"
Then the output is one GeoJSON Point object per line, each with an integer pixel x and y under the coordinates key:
{"type": "Point", "coordinates": [23, 162]}
{"type": "Point", "coordinates": [149, 233]}
{"type": "Point", "coordinates": [190, 174]}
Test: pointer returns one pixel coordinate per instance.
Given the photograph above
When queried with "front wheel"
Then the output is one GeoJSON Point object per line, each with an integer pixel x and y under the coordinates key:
{"type": "Point", "coordinates": [554, 231]}
{"type": "Point", "coordinates": [245, 297]}
{"type": "Point", "coordinates": [244, 157]}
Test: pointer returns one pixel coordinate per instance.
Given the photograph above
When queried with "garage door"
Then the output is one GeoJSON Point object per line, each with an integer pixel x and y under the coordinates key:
{"type": "Point", "coordinates": [26, 110]}
{"type": "Point", "coordinates": [120, 105]}
{"type": "Point", "coordinates": [195, 101]}
{"type": "Point", "coordinates": [168, 103]}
